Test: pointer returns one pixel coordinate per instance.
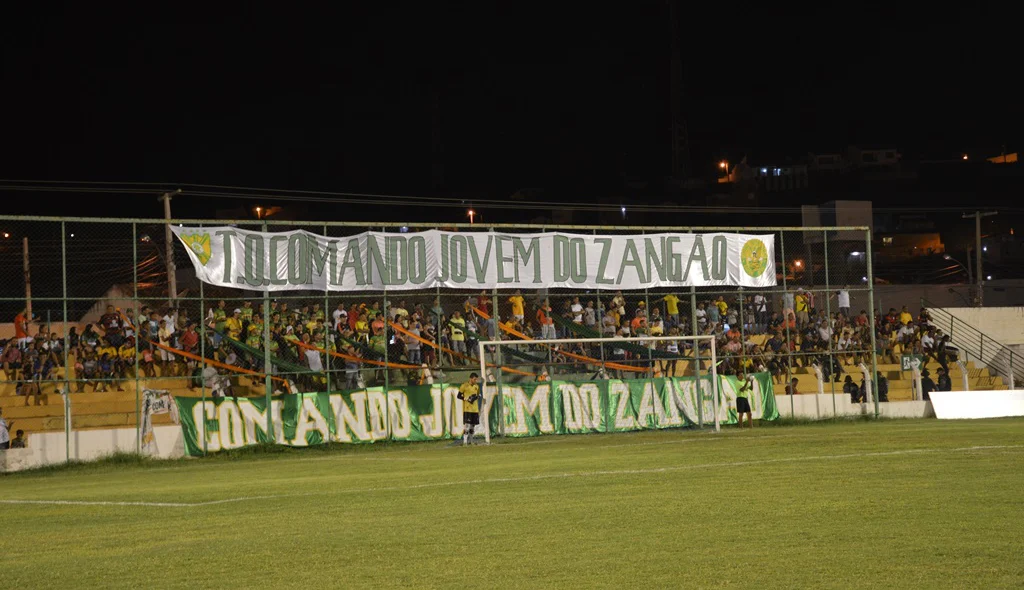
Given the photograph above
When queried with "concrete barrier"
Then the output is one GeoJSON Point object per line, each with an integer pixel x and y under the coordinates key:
{"type": "Point", "coordinates": [50, 448]}
{"type": "Point", "coordinates": [824, 405]}
{"type": "Point", "coordinates": [953, 405]}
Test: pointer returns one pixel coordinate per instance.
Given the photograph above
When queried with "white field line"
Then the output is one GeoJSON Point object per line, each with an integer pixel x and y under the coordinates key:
{"type": "Point", "coordinates": [527, 478]}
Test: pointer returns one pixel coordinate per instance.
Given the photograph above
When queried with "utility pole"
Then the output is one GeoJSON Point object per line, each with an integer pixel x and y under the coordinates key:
{"type": "Point", "coordinates": [172, 280]}
{"type": "Point", "coordinates": [978, 274]}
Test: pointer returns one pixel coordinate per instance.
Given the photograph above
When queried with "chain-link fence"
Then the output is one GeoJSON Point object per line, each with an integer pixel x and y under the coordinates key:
{"type": "Point", "coordinates": [96, 335]}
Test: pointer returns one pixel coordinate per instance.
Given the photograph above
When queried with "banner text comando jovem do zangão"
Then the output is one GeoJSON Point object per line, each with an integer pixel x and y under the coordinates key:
{"type": "Point", "coordinates": [432, 412]}
{"type": "Point", "coordinates": [300, 260]}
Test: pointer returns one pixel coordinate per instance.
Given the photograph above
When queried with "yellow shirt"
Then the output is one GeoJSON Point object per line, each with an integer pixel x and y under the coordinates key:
{"type": "Point", "coordinates": [906, 318]}
{"type": "Point", "coordinates": [517, 305]}
{"type": "Point", "coordinates": [723, 307]}
{"type": "Point", "coordinates": [127, 353]}
{"type": "Point", "coordinates": [458, 329]}
{"type": "Point", "coordinates": [107, 350]}
{"type": "Point", "coordinates": [800, 302]}
{"type": "Point", "coordinates": [672, 304]}
{"type": "Point", "coordinates": [467, 391]}
{"type": "Point", "coordinates": [234, 327]}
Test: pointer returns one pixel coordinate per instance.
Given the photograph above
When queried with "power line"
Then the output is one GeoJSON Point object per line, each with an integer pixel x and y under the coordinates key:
{"type": "Point", "coordinates": [296, 195]}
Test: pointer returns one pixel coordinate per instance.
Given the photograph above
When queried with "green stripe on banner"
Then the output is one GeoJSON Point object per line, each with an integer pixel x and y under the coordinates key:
{"type": "Point", "coordinates": [433, 412]}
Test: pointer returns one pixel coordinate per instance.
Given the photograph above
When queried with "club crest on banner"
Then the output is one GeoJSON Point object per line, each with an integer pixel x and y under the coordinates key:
{"type": "Point", "coordinates": [199, 245]}
{"type": "Point", "coordinates": [754, 257]}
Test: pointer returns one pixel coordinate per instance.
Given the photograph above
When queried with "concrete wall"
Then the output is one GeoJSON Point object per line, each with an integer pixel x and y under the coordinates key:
{"type": "Point", "coordinates": [48, 448]}
{"type": "Point", "coordinates": [820, 406]}
{"type": "Point", "coordinates": [1003, 324]}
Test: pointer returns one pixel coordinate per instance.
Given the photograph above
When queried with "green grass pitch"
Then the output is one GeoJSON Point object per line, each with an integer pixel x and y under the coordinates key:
{"type": "Point", "coordinates": [917, 504]}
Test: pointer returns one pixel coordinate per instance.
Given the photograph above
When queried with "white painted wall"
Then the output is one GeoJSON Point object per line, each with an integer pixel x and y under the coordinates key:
{"type": "Point", "coordinates": [47, 448]}
{"type": "Point", "coordinates": [954, 405]}
{"type": "Point", "coordinates": [820, 406]}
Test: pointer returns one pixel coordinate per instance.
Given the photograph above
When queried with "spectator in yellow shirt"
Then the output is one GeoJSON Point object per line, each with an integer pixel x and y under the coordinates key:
{"type": "Point", "coordinates": [671, 309]}
{"type": "Point", "coordinates": [233, 325]}
{"type": "Point", "coordinates": [518, 311]}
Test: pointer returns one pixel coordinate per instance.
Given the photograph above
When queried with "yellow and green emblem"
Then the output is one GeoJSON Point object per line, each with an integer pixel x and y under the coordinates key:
{"type": "Point", "coordinates": [754, 257]}
{"type": "Point", "coordinates": [199, 244]}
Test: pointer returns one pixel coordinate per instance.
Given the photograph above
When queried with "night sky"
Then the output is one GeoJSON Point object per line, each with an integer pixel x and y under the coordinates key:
{"type": "Point", "coordinates": [524, 96]}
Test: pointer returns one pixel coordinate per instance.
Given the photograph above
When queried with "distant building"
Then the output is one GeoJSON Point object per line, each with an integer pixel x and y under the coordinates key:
{"type": "Point", "coordinates": [1004, 159]}
{"type": "Point", "coordinates": [827, 162]}
{"type": "Point", "coordinates": [864, 158]}
{"type": "Point", "coordinates": [908, 245]}
{"type": "Point", "coordinates": [838, 214]}
{"type": "Point", "coordinates": [778, 178]}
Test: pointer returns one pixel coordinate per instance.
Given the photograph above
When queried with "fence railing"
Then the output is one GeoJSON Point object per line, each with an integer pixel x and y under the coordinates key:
{"type": "Point", "coordinates": [976, 345]}
{"type": "Point", "coordinates": [95, 310]}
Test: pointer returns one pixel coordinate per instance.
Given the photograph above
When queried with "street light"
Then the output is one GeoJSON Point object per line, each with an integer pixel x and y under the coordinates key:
{"type": "Point", "coordinates": [960, 264]}
{"type": "Point", "coordinates": [471, 214]}
{"type": "Point", "coordinates": [259, 210]}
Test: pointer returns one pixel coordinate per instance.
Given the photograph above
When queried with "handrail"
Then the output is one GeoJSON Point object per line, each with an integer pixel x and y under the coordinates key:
{"type": "Point", "coordinates": [996, 355]}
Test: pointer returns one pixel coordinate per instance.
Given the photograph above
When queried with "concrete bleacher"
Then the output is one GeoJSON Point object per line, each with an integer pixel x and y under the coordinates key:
{"type": "Point", "coordinates": [113, 409]}
{"type": "Point", "coordinates": [94, 409]}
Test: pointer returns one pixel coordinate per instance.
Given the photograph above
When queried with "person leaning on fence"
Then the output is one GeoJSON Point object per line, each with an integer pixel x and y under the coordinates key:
{"type": "Point", "coordinates": [469, 393]}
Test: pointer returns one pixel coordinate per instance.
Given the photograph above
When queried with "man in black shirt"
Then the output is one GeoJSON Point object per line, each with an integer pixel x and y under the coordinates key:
{"type": "Point", "coordinates": [927, 385]}
{"type": "Point", "coordinates": [945, 384]}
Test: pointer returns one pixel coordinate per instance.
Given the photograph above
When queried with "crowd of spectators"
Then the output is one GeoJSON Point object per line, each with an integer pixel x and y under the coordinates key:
{"type": "Point", "coordinates": [774, 332]}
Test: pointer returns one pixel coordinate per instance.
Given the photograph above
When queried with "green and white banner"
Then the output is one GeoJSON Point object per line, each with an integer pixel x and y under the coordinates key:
{"type": "Point", "coordinates": [432, 412]}
{"type": "Point", "coordinates": [300, 260]}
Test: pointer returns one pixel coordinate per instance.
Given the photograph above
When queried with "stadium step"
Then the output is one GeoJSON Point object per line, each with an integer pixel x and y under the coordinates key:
{"type": "Point", "coordinates": [83, 421]}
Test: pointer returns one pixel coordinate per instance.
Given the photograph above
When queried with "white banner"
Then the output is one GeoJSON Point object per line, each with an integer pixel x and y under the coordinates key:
{"type": "Point", "coordinates": [374, 261]}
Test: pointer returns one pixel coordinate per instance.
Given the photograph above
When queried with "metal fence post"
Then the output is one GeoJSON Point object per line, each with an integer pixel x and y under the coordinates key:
{"type": "Point", "coordinates": [268, 385]}
{"type": "Point", "coordinates": [871, 320]}
{"type": "Point", "coordinates": [328, 333]}
{"type": "Point", "coordinates": [202, 363]}
{"type": "Point", "coordinates": [600, 324]}
{"type": "Point", "coordinates": [135, 306]}
{"type": "Point", "coordinates": [828, 322]}
{"type": "Point", "coordinates": [696, 355]}
{"type": "Point", "coordinates": [67, 382]}
{"type": "Point", "coordinates": [387, 346]}
{"type": "Point", "coordinates": [498, 372]}
{"type": "Point", "coordinates": [650, 352]}
{"type": "Point", "coordinates": [785, 322]}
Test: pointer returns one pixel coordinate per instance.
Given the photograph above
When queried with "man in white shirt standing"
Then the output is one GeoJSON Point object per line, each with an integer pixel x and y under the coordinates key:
{"type": "Point", "coordinates": [338, 314]}
{"type": "Point", "coordinates": [760, 313]}
{"type": "Point", "coordinates": [843, 295]}
{"type": "Point", "coordinates": [577, 311]}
